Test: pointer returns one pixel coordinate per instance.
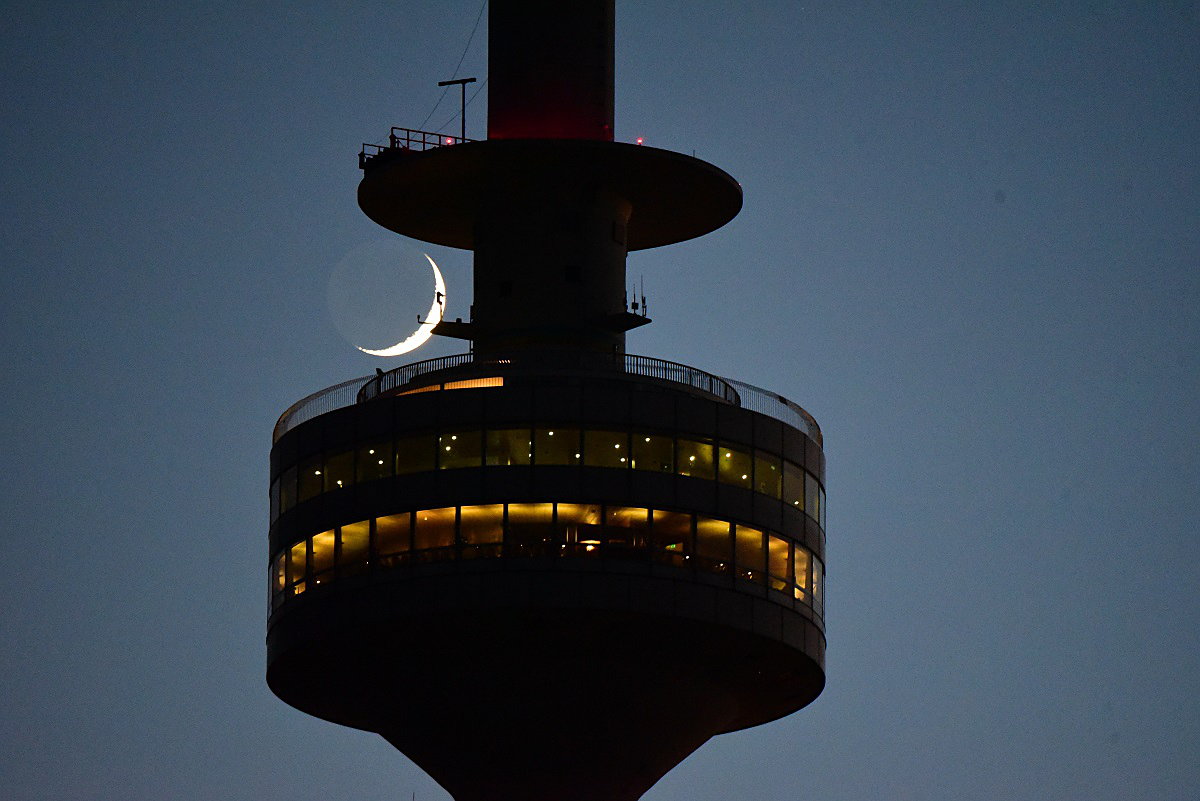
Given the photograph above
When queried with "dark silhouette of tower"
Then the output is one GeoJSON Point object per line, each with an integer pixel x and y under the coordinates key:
{"type": "Point", "coordinates": [546, 568]}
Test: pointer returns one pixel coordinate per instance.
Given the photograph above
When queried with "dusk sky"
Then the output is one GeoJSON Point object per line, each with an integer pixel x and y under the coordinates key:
{"type": "Point", "coordinates": [969, 246]}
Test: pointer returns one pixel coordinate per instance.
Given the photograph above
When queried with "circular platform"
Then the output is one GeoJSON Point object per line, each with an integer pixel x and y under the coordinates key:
{"type": "Point", "coordinates": [438, 195]}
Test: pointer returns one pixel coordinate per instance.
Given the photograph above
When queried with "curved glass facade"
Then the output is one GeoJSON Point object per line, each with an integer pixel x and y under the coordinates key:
{"type": "Point", "coordinates": [729, 463]}
{"type": "Point", "coordinates": [564, 530]}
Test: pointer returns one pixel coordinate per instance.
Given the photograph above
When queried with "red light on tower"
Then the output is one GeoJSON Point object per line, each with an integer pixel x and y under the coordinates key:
{"type": "Point", "coordinates": [449, 140]}
{"type": "Point", "coordinates": [640, 140]}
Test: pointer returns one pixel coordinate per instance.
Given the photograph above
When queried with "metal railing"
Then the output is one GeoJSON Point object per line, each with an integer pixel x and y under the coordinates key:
{"type": "Point", "coordinates": [405, 374]}
{"type": "Point", "coordinates": [644, 366]}
{"type": "Point", "coordinates": [318, 403]}
{"type": "Point", "coordinates": [736, 393]}
{"type": "Point", "coordinates": [763, 401]}
{"type": "Point", "coordinates": [406, 140]}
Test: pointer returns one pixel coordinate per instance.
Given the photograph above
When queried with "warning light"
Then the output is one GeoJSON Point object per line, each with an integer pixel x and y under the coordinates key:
{"type": "Point", "coordinates": [450, 140]}
{"type": "Point", "coordinates": [640, 140]}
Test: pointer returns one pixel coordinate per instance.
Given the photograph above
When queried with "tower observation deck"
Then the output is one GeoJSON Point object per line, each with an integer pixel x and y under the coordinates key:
{"type": "Point", "coordinates": [547, 568]}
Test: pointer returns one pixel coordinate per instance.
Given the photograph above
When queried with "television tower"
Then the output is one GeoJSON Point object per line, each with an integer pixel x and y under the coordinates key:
{"type": "Point", "coordinates": [546, 568]}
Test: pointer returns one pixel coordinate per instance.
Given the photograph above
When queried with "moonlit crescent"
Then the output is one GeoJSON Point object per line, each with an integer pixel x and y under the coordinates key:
{"type": "Point", "coordinates": [424, 330]}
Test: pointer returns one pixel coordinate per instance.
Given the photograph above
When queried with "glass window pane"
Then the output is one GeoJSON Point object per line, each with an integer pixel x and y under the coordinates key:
{"type": "Point", "coordinates": [793, 485]}
{"type": "Point", "coordinates": [279, 573]}
{"type": "Point", "coordinates": [322, 555]}
{"type": "Point", "coordinates": [435, 529]}
{"type": "Point", "coordinates": [714, 544]}
{"type": "Point", "coordinates": [606, 448]}
{"type": "Point", "coordinates": [818, 585]}
{"type": "Point", "coordinates": [415, 454]}
{"type": "Point", "coordinates": [750, 553]}
{"type": "Point", "coordinates": [802, 562]}
{"type": "Point", "coordinates": [695, 458]}
{"type": "Point", "coordinates": [810, 495]}
{"type": "Point", "coordinates": [768, 474]}
{"type": "Point", "coordinates": [339, 470]}
{"type": "Point", "coordinates": [311, 482]}
{"type": "Point", "coordinates": [393, 534]}
{"type": "Point", "coordinates": [287, 489]}
{"type": "Point", "coordinates": [460, 449]}
{"type": "Point", "coordinates": [625, 526]}
{"type": "Point", "coordinates": [821, 504]}
{"type": "Point", "coordinates": [375, 460]}
{"type": "Point", "coordinates": [579, 525]}
{"type": "Point", "coordinates": [297, 562]}
{"type": "Point", "coordinates": [734, 466]}
{"type": "Point", "coordinates": [652, 452]}
{"type": "Point", "coordinates": [481, 529]}
{"type": "Point", "coordinates": [671, 537]}
{"type": "Point", "coordinates": [274, 499]}
{"type": "Point", "coordinates": [356, 540]}
{"type": "Point", "coordinates": [778, 562]}
{"type": "Point", "coordinates": [556, 446]}
{"type": "Point", "coordinates": [509, 446]}
{"type": "Point", "coordinates": [531, 529]}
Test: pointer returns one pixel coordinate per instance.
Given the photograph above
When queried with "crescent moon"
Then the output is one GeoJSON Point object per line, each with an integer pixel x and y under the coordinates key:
{"type": "Point", "coordinates": [424, 330]}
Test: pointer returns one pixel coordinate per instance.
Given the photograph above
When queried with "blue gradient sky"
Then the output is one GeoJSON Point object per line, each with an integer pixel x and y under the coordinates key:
{"type": "Point", "coordinates": [970, 246]}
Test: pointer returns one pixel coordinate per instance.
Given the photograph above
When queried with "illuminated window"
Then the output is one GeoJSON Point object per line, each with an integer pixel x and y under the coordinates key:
{"type": "Point", "coordinates": [653, 452]}
{"type": "Point", "coordinates": [276, 578]}
{"type": "Point", "coordinates": [579, 526]}
{"type": "Point", "coordinates": [625, 526]}
{"type": "Point", "coordinates": [322, 555]}
{"type": "Point", "coordinates": [475, 383]}
{"type": "Point", "coordinates": [415, 454]}
{"type": "Point", "coordinates": [287, 489]}
{"type": "Point", "coordinates": [531, 529]}
{"type": "Point", "coordinates": [671, 537]}
{"type": "Point", "coordinates": [556, 446]}
{"type": "Point", "coordinates": [793, 486]}
{"type": "Point", "coordinates": [695, 458]}
{"type": "Point", "coordinates": [801, 575]}
{"type": "Point", "coordinates": [432, 388]}
{"type": "Point", "coordinates": [279, 574]}
{"type": "Point", "coordinates": [297, 565]}
{"type": "Point", "coordinates": [375, 460]}
{"type": "Point", "coordinates": [509, 446]}
{"type": "Point", "coordinates": [339, 471]}
{"type": "Point", "coordinates": [714, 544]}
{"type": "Point", "coordinates": [460, 449]}
{"type": "Point", "coordinates": [393, 536]}
{"type": "Point", "coordinates": [481, 529]}
{"type": "Point", "coordinates": [354, 549]}
{"type": "Point", "coordinates": [749, 553]}
{"type": "Point", "coordinates": [311, 480]}
{"type": "Point", "coordinates": [434, 529]}
{"type": "Point", "coordinates": [778, 563]}
{"type": "Point", "coordinates": [606, 448]}
{"type": "Point", "coordinates": [818, 585]}
{"type": "Point", "coordinates": [811, 496]}
{"type": "Point", "coordinates": [734, 466]}
{"type": "Point", "coordinates": [768, 474]}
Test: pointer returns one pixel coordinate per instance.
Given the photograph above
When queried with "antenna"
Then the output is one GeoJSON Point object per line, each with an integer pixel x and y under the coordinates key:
{"type": "Point", "coordinates": [462, 84]}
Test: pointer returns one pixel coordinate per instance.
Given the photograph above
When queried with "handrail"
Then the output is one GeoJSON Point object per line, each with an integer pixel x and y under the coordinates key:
{"type": "Point", "coordinates": [398, 377]}
{"type": "Point", "coordinates": [731, 391]}
{"type": "Point", "coordinates": [645, 366]}
{"type": "Point", "coordinates": [406, 140]}
{"type": "Point", "coordinates": [316, 404]}
{"type": "Point", "coordinates": [772, 404]}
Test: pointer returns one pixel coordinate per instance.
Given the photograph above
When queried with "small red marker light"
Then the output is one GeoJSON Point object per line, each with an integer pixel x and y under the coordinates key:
{"type": "Point", "coordinates": [449, 140]}
{"type": "Point", "coordinates": [640, 140]}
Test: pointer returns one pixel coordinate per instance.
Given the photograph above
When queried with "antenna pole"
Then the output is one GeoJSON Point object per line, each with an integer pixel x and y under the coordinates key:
{"type": "Point", "coordinates": [462, 109]}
